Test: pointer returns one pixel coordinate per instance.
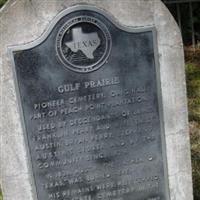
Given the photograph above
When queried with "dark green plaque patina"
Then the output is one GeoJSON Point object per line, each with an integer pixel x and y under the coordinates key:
{"type": "Point", "coordinates": [90, 98]}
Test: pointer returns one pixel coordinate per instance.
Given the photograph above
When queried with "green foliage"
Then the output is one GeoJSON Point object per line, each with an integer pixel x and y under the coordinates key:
{"type": "Point", "coordinates": [2, 2]}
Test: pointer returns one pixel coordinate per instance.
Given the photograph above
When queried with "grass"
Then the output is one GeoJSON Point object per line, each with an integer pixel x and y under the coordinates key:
{"type": "Point", "coordinates": [1, 196]}
{"type": "Point", "coordinates": [193, 91]}
{"type": "Point", "coordinates": [195, 152]}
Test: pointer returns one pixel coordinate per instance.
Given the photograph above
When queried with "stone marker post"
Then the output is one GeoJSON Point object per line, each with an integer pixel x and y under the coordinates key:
{"type": "Point", "coordinates": [93, 101]}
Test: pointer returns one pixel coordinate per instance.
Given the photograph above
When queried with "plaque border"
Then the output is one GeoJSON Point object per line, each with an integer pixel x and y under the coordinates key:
{"type": "Point", "coordinates": [130, 29]}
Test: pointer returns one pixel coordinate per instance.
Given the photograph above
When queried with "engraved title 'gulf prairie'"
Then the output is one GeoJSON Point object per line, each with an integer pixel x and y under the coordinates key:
{"type": "Point", "coordinates": [88, 84]}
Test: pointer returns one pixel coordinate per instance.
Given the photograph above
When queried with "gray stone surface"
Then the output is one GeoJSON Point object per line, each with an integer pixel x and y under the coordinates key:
{"type": "Point", "coordinates": [22, 21]}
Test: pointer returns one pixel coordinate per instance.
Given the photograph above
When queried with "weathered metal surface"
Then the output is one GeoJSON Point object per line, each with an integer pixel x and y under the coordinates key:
{"type": "Point", "coordinates": [90, 97]}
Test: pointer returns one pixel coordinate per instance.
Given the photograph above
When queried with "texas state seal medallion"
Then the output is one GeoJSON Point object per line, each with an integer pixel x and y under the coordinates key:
{"type": "Point", "coordinates": [83, 44]}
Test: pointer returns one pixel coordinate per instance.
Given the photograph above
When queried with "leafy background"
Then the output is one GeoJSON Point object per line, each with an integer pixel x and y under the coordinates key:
{"type": "Point", "coordinates": [1, 4]}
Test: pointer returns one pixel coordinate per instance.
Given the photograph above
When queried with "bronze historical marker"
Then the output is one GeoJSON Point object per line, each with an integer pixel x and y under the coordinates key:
{"type": "Point", "coordinates": [90, 98]}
